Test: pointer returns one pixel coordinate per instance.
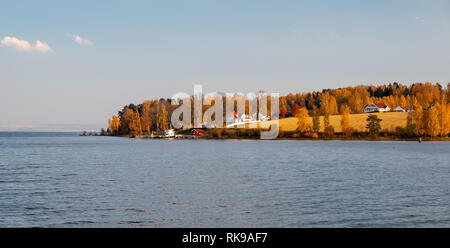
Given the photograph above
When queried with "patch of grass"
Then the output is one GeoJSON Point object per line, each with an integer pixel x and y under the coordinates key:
{"type": "Point", "coordinates": [390, 121]}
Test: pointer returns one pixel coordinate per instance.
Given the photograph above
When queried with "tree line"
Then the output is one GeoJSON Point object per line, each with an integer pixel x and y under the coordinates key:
{"type": "Point", "coordinates": [427, 105]}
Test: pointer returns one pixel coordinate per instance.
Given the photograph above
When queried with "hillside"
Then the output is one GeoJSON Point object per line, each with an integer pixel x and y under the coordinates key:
{"type": "Point", "coordinates": [155, 115]}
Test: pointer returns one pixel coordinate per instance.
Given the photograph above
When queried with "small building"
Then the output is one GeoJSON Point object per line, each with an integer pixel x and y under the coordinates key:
{"type": "Point", "coordinates": [197, 132]}
{"type": "Point", "coordinates": [400, 109]}
{"type": "Point", "coordinates": [376, 107]}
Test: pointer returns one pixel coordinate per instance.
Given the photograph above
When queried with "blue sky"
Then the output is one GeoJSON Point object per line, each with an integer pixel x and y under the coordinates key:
{"type": "Point", "coordinates": [147, 49]}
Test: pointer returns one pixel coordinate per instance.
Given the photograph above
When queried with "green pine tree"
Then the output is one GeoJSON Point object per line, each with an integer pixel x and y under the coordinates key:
{"type": "Point", "coordinates": [373, 125]}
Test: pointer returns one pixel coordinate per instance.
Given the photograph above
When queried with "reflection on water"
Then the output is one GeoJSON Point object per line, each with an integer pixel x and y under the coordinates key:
{"type": "Point", "coordinates": [62, 180]}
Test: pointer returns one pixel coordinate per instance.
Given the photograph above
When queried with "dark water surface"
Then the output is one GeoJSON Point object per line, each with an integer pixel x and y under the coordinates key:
{"type": "Point", "coordinates": [63, 180]}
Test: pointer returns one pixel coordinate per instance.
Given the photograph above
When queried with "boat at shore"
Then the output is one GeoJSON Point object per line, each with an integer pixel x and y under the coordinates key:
{"type": "Point", "coordinates": [169, 133]}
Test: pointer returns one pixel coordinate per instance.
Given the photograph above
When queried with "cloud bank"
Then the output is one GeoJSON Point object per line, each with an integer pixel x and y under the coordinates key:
{"type": "Point", "coordinates": [23, 45]}
{"type": "Point", "coordinates": [82, 41]}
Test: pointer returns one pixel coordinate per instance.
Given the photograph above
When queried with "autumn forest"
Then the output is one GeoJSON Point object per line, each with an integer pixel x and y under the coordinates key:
{"type": "Point", "coordinates": [427, 106]}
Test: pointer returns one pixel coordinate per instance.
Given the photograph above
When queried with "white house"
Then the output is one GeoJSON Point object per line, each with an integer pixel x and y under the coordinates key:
{"type": "Point", "coordinates": [376, 107]}
{"type": "Point", "coordinates": [400, 109]}
{"type": "Point", "coordinates": [234, 120]}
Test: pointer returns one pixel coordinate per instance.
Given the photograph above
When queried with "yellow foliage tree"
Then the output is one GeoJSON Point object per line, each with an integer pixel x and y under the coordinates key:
{"type": "Point", "coordinates": [328, 104]}
{"type": "Point", "coordinates": [303, 121]}
{"type": "Point", "coordinates": [147, 116]}
{"type": "Point", "coordinates": [326, 122]}
{"type": "Point", "coordinates": [443, 118]}
{"type": "Point", "coordinates": [431, 121]}
{"type": "Point", "coordinates": [345, 120]}
{"type": "Point", "coordinates": [402, 102]}
{"type": "Point", "coordinates": [417, 117]}
{"type": "Point", "coordinates": [131, 123]}
{"type": "Point", "coordinates": [333, 107]}
{"type": "Point", "coordinates": [163, 117]}
{"type": "Point", "coordinates": [316, 120]}
{"type": "Point", "coordinates": [114, 125]}
{"type": "Point", "coordinates": [356, 104]}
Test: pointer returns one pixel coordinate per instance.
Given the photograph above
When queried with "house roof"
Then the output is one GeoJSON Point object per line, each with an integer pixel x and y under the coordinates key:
{"type": "Point", "coordinates": [380, 105]}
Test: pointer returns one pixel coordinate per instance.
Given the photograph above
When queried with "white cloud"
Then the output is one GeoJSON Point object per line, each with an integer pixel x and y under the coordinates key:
{"type": "Point", "coordinates": [13, 42]}
{"type": "Point", "coordinates": [42, 47]}
{"type": "Point", "coordinates": [23, 45]}
{"type": "Point", "coordinates": [418, 17]}
{"type": "Point", "coordinates": [82, 41]}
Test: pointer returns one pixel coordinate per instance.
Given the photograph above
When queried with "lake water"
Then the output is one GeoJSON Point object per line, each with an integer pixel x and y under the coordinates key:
{"type": "Point", "coordinates": [63, 180]}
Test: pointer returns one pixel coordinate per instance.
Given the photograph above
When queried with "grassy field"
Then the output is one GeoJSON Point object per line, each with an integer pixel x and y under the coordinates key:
{"type": "Point", "coordinates": [390, 121]}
